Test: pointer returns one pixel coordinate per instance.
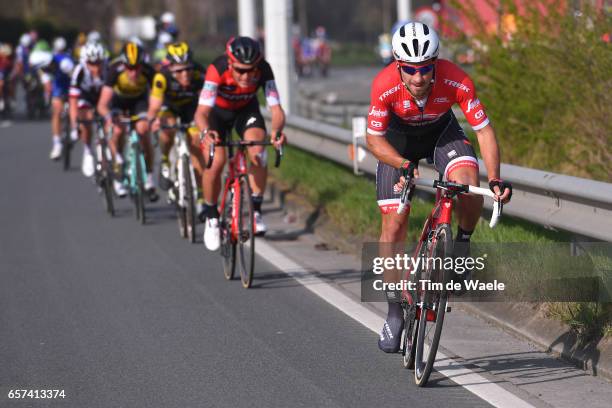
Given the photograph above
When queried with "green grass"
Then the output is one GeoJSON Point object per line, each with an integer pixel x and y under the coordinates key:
{"type": "Point", "coordinates": [350, 202]}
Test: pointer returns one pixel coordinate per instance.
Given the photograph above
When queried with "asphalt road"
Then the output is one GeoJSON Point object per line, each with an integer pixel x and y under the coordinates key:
{"type": "Point", "coordinates": [123, 315]}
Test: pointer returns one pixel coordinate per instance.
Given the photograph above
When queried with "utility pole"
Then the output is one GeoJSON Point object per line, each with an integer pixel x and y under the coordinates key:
{"type": "Point", "coordinates": [404, 10]}
{"type": "Point", "coordinates": [278, 18]}
{"type": "Point", "coordinates": [247, 19]}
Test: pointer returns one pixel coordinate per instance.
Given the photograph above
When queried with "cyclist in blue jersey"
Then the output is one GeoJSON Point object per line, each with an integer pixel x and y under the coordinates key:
{"type": "Point", "coordinates": [60, 71]}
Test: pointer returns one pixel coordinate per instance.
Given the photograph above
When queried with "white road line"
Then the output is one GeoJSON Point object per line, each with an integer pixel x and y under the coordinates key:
{"type": "Point", "coordinates": [468, 379]}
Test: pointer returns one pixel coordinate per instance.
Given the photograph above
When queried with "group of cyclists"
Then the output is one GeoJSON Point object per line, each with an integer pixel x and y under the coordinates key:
{"type": "Point", "coordinates": [215, 100]}
{"type": "Point", "coordinates": [410, 119]}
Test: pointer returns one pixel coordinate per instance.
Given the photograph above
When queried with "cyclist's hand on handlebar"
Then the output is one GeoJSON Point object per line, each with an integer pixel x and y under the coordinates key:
{"type": "Point", "coordinates": [405, 170]}
{"type": "Point", "coordinates": [502, 190]}
{"type": "Point", "coordinates": [213, 136]}
{"type": "Point", "coordinates": [280, 141]}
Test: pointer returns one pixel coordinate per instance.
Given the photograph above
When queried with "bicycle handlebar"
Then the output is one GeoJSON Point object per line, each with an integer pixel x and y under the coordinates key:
{"type": "Point", "coordinates": [455, 187]}
{"type": "Point", "coordinates": [244, 143]}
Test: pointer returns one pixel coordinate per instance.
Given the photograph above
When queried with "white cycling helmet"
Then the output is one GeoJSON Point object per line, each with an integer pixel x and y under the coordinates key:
{"type": "Point", "coordinates": [414, 43]}
{"type": "Point", "coordinates": [167, 18]}
{"type": "Point", "coordinates": [59, 44]}
{"type": "Point", "coordinates": [25, 40]}
{"type": "Point", "coordinates": [40, 59]}
{"type": "Point", "coordinates": [93, 52]}
{"type": "Point", "coordinates": [94, 37]}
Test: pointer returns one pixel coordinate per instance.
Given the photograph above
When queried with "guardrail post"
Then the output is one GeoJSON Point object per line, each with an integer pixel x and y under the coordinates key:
{"type": "Point", "coordinates": [359, 132]}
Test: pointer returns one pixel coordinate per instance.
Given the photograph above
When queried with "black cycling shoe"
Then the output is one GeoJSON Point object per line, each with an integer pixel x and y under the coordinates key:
{"type": "Point", "coordinates": [152, 195]}
{"type": "Point", "coordinates": [461, 249]}
{"type": "Point", "coordinates": [391, 335]}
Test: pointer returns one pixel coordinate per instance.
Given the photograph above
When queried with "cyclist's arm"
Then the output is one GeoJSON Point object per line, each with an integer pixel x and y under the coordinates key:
{"type": "Point", "coordinates": [383, 151]}
{"type": "Point", "coordinates": [105, 97]}
{"type": "Point", "coordinates": [278, 118]}
{"type": "Point", "coordinates": [201, 117]}
{"type": "Point", "coordinates": [489, 150]}
{"type": "Point", "coordinates": [156, 99]}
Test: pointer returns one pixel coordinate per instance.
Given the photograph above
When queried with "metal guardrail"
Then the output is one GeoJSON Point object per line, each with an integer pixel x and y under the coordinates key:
{"type": "Point", "coordinates": [557, 201]}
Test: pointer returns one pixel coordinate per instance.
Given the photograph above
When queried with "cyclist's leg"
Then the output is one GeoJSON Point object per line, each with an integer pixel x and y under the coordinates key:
{"type": "Point", "coordinates": [117, 107]}
{"type": "Point", "coordinates": [139, 108]}
{"type": "Point", "coordinates": [86, 113]}
{"type": "Point", "coordinates": [57, 107]}
{"type": "Point", "coordinates": [166, 136]}
{"type": "Point", "coordinates": [166, 140]}
{"type": "Point", "coordinates": [455, 158]}
{"type": "Point", "coordinates": [251, 125]}
{"type": "Point", "coordinates": [393, 234]}
{"type": "Point", "coordinates": [221, 121]}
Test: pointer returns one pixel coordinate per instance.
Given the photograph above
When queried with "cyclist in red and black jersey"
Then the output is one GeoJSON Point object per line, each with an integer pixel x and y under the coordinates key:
{"type": "Point", "coordinates": [411, 119]}
{"type": "Point", "coordinates": [229, 100]}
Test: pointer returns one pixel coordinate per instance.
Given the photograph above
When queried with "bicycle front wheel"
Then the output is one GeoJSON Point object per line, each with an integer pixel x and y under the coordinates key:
{"type": "Point", "coordinates": [228, 243]}
{"type": "Point", "coordinates": [139, 164]}
{"type": "Point", "coordinates": [246, 233]}
{"type": "Point", "coordinates": [432, 305]}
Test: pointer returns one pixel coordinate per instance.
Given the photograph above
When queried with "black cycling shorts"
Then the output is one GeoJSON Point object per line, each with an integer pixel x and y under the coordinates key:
{"type": "Point", "coordinates": [442, 142]}
{"type": "Point", "coordinates": [185, 112]}
{"type": "Point", "coordinates": [223, 120]}
{"type": "Point", "coordinates": [131, 106]}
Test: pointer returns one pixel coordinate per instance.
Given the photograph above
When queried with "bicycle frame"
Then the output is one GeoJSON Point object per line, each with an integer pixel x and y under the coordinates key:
{"type": "Point", "coordinates": [237, 166]}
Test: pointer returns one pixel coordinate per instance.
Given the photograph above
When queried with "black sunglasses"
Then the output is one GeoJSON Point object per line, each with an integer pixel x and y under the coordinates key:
{"type": "Point", "coordinates": [243, 70]}
{"type": "Point", "coordinates": [413, 70]}
{"type": "Point", "coordinates": [179, 70]}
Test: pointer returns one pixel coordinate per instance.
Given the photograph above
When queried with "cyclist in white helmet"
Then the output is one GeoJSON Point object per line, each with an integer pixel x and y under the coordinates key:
{"type": "Point", "coordinates": [85, 86]}
{"type": "Point", "coordinates": [411, 119]}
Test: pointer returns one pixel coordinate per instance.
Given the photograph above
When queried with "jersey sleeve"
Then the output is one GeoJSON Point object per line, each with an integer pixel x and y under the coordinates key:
{"type": "Point", "coordinates": [159, 86]}
{"type": "Point", "coordinates": [378, 115]}
{"type": "Point", "coordinates": [269, 85]}
{"type": "Point", "coordinates": [211, 84]}
{"type": "Point", "coordinates": [75, 82]}
{"type": "Point", "coordinates": [471, 106]}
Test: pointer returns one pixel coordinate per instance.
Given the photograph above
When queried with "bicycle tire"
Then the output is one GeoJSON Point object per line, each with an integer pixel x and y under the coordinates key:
{"type": "Point", "coordinates": [228, 244]}
{"type": "Point", "coordinates": [189, 201]}
{"type": "Point", "coordinates": [140, 192]}
{"type": "Point", "coordinates": [108, 194]}
{"type": "Point", "coordinates": [411, 328]}
{"type": "Point", "coordinates": [246, 233]}
{"type": "Point", "coordinates": [66, 144]}
{"type": "Point", "coordinates": [441, 245]}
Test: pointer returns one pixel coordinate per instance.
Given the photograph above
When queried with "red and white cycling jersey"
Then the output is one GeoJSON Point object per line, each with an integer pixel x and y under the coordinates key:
{"type": "Point", "coordinates": [221, 90]}
{"type": "Point", "coordinates": [451, 85]}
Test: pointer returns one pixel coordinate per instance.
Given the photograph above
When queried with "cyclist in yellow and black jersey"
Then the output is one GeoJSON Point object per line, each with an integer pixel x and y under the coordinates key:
{"type": "Point", "coordinates": [174, 94]}
{"type": "Point", "coordinates": [126, 92]}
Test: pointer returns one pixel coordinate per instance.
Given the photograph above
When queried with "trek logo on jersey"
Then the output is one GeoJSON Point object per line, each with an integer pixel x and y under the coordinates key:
{"type": "Point", "coordinates": [472, 104]}
{"type": "Point", "coordinates": [377, 112]}
{"type": "Point", "coordinates": [442, 99]}
{"type": "Point", "coordinates": [456, 85]}
{"type": "Point", "coordinates": [389, 92]}
{"type": "Point", "coordinates": [406, 104]}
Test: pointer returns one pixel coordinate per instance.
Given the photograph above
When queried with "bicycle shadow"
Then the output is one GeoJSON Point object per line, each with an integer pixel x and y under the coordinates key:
{"type": "Point", "coordinates": [520, 368]}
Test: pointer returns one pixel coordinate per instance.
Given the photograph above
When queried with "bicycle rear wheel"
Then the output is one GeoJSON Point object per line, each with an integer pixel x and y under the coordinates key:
{"type": "Point", "coordinates": [433, 305]}
{"type": "Point", "coordinates": [189, 201]}
{"type": "Point", "coordinates": [228, 244]}
{"type": "Point", "coordinates": [246, 233]}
